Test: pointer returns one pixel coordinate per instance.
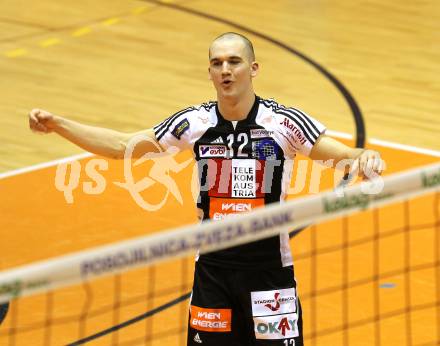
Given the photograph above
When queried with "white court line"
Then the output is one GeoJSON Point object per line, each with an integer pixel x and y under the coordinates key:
{"type": "Point", "coordinates": [404, 147]}
{"type": "Point", "coordinates": [42, 165]}
{"type": "Point", "coordinates": [336, 134]}
{"type": "Point", "coordinates": [387, 144]}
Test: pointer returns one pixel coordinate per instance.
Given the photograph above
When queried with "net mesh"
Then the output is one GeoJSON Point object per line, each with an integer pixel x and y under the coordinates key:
{"type": "Point", "coordinates": [368, 278]}
{"type": "Point", "coordinates": [375, 279]}
{"type": "Point", "coordinates": [371, 277]}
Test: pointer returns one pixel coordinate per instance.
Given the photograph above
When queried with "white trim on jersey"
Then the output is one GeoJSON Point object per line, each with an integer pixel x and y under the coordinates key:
{"type": "Point", "coordinates": [286, 254]}
{"type": "Point", "coordinates": [194, 121]}
{"type": "Point", "coordinates": [294, 129]}
{"type": "Point", "coordinates": [286, 178]}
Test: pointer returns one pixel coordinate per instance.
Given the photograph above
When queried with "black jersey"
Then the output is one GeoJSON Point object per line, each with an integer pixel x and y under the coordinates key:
{"type": "Point", "coordinates": [243, 165]}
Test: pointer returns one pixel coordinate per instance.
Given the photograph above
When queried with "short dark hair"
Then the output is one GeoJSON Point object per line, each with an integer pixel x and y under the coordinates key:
{"type": "Point", "coordinates": [246, 41]}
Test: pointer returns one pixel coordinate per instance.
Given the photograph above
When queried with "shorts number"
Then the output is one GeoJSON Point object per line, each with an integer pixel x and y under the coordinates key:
{"type": "Point", "coordinates": [289, 342]}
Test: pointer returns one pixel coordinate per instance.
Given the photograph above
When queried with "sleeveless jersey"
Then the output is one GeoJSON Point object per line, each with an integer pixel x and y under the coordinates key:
{"type": "Point", "coordinates": [242, 165]}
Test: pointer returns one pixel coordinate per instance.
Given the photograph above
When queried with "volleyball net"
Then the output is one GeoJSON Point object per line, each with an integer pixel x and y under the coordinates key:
{"type": "Point", "coordinates": [368, 265]}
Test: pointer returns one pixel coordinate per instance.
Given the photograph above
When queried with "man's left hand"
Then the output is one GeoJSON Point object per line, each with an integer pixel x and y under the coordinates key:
{"type": "Point", "coordinates": [368, 164]}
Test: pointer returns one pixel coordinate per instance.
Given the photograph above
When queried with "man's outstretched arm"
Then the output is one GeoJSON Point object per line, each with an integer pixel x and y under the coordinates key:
{"type": "Point", "coordinates": [366, 161]}
{"type": "Point", "coordinates": [97, 140]}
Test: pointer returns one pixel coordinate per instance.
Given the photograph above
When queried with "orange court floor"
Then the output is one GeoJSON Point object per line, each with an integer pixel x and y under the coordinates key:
{"type": "Point", "coordinates": [362, 280]}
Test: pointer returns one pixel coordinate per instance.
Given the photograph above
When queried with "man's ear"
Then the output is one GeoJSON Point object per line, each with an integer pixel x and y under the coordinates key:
{"type": "Point", "coordinates": [209, 73]}
{"type": "Point", "coordinates": [254, 69]}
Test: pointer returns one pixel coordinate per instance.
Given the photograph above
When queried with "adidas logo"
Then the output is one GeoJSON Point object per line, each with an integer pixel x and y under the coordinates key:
{"type": "Point", "coordinates": [219, 140]}
{"type": "Point", "coordinates": [197, 339]}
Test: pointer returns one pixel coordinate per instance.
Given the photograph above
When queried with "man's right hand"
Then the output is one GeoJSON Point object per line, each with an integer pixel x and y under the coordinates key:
{"type": "Point", "coordinates": [41, 121]}
{"type": "Point", "coordinates": [97, 140]}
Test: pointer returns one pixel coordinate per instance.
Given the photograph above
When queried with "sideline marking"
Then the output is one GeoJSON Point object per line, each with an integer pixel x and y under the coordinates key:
{"type": "Point", "coordinates": [42, 165]}
{"type": "Point", "coordinates": [50, 42]}
{"type": "Point", "coordinates": [81, 32]}
{"type": "Point", "coordinates": [77, 33]}
{"type": "Point", "coordinates": [110, 21]}
{"type": "Point", "coordinates": [387, 144]}
{"type": "Point", "coordinates": [404, 147]}
{"type": "Point", "coordinates": [336, 134]}
{"type": "Point", "coordinates": [16, 53]}
{"type": "Point", "coordinates": [138, 10]}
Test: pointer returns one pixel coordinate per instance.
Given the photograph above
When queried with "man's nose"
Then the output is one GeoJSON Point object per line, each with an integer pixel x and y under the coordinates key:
{"type": "Point", "coordinates": [225, 68]}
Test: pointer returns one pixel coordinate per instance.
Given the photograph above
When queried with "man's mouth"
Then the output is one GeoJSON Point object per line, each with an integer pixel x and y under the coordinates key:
{"type": "Point", "coordinates": [227, 82]}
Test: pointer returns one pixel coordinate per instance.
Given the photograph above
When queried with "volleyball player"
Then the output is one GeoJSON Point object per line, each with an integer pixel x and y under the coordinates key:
{"type": "Point", "coordinates": [244, 146]}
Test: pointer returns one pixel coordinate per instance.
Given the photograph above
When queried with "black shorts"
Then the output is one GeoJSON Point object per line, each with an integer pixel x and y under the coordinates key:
{"type": "Point", "coordinates": [244, 307]}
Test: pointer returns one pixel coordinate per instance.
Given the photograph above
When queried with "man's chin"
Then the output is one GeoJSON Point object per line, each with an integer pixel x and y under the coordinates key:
{"type": "Point", "coordinates": [228, 93]}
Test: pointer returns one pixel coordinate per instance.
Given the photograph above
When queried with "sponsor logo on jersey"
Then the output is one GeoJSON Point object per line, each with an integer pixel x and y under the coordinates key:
{"type": "Point", "coordinates": [212, 151]}
{"type": "Point", "coordinates": [274, 313]}
{"type": "Point", "coordinates": [243, 178]}
{"type": "Point", "coordinates": [261, 133]}
{"type": "Point", "coordinates": [276, 327]}
{"type": "Point", "coordinates": [204, 120]}
{"type": "Point", "coordinates": [265, 149]}
{"type": "Point", "coordinates": [239, 178]}
{"type": "Point", "coordinates": [197, 338]}
{"type": "Point", "coordinates": [218, 140]}
{"type": "Point", "coordinates": [180, 128]}
{"type": "Point", "coordinates": [210, 320]}
{"type": "Point", "coordinates": [237, 207]}
{"type": "Point", "coordinates": [266, 303]}
{"type": "Point", "coordinates": [297, 133]}
{"type": "Point", "coordinates": [275, 306]}
{"type": "Point", "coordinates": [221, 208]}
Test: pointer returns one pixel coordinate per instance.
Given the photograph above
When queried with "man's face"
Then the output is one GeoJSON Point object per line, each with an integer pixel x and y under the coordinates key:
{"type": "Point", "coordinates": [230, 68]}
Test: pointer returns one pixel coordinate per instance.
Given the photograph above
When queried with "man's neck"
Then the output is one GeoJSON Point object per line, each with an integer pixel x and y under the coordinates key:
{"type": "Point", "coordinates": [237, 108]}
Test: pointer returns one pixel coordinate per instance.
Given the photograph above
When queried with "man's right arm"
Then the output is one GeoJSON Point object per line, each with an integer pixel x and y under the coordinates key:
{"type": "Point", "coordinates": [97, 140]}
